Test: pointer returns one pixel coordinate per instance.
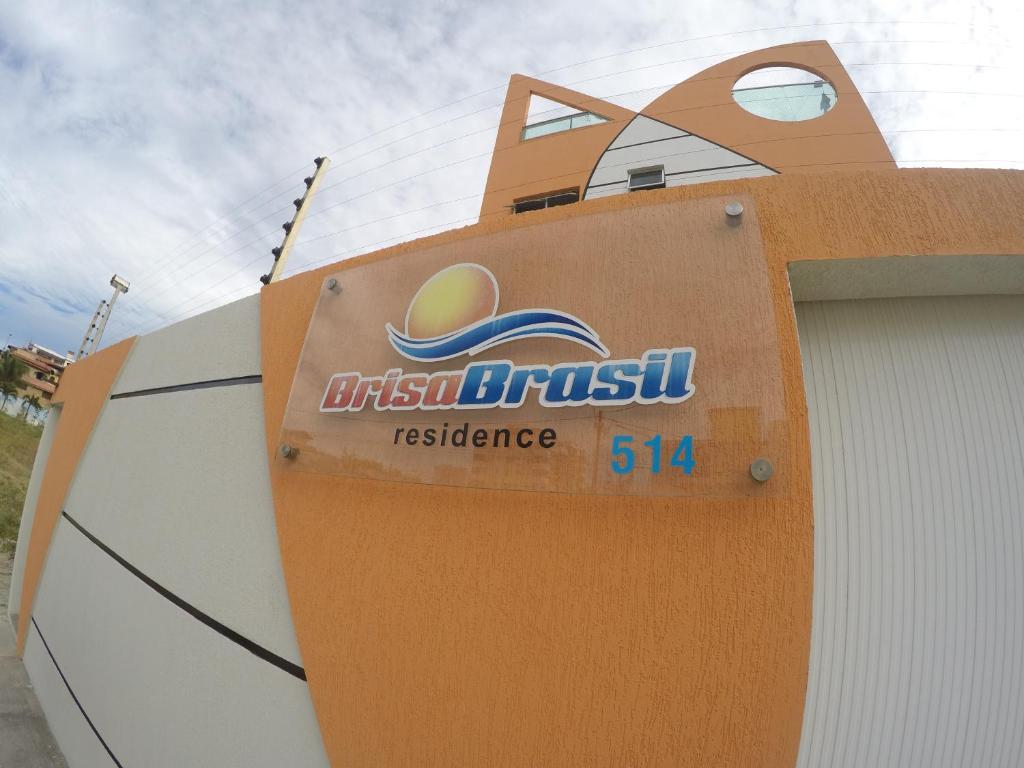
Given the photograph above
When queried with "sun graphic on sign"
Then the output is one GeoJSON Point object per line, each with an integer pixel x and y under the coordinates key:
{"type": "Point", "coordinates": [452, 299]}
{"type": "Point", "coordinates": [455, 313]}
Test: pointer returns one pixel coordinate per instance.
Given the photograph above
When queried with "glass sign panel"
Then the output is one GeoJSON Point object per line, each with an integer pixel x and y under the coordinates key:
{"type": "Point", "coordinates": [626, 352]}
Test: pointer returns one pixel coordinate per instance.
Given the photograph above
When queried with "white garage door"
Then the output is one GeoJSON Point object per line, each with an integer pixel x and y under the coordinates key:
{"type": "Point", "coordinates": [916, 410]}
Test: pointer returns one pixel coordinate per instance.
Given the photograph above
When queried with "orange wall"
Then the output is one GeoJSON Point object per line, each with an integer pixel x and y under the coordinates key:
{"type": "Point", "coordinates": [444, 626]}
{"type": "Point", "coordinates": [457, 626]}
{"type": "Point", "coordinates": [844, 138]}
{"type": "Point", "coordinates": [549, 164]}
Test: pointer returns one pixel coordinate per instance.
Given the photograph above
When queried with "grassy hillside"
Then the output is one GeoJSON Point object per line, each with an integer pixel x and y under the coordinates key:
{"type": "Point", "coordinates": [18, 443]}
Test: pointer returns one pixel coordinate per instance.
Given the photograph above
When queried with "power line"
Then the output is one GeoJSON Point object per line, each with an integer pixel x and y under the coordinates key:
{"type": "Point", "coordinates": [773, 29]}
{"type": "Point", "coordinates": [495, 152]}
{"type": "Point", "coordinates": [489, 129]}
{"type": "Point", "coordinates": [601, 77]}
{"type": "Point", "coordinates": [561, 175]}
{"type": "Point", "coordinates": [388, 218]}
{"type": "Point", "coordinates": [180, 249]}
{"type": "Point", "coordinates": [176, 251]}
{"type": "Point", "coordinates": [254, 261]}
{"type": "Point", "coordinates": [170, 286]}
{"type": "Point", "coordinates": [841, 42]}
{"type": "Point", "coordinates": [313, 265]}
{"type": "Point", "coordinates": [166, 275]}
{"type": "Point", "coordinates": [169, 317]}
{"type": "Point", "coordinates": [564, 67]}
{"type": "Point", "coordinates": [667, 63]}
{"type": "Point", "coordinates": [683, 41]}
{"type": "Point", "coordinates": [433, 170]}
{"type": "Point", "coordinates": [342, 253]}
{"type": "Point", "coordinates": [252, 225]}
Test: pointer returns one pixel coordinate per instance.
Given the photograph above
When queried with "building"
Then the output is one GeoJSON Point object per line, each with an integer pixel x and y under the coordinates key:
{"type": "Point", "coordinates": [57, 360]}
{"type": "Point", "coordinates": [700, 448]}
{"type": "Point", "coordinates": [44, 367]}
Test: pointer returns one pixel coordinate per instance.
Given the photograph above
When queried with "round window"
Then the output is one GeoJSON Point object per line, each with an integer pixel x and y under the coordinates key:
{"type": "Point", "coordinates": [784, 93]}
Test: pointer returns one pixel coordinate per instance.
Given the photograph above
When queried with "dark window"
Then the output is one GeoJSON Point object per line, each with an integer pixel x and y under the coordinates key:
{"type": "Point", "coordinates": [647, 178]}
{"type": "Point", "coordinates": [547, 201]}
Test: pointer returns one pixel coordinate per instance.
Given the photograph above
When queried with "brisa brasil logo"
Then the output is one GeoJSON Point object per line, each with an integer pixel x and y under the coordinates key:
{"type": "Point", "coordinates": [455, 313]}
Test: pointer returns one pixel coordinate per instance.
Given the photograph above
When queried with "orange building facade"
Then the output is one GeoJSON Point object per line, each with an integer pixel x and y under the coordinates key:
{"type": "Point", "coordinates": [700, 511]}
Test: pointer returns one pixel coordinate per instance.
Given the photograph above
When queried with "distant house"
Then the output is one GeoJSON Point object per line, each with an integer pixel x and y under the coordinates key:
{"type": "Point", "coordinates": [44, 369]}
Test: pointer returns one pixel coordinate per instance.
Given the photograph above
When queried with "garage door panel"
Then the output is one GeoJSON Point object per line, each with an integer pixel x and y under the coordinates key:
{"type": "Point", "coordinates": [915, 412]}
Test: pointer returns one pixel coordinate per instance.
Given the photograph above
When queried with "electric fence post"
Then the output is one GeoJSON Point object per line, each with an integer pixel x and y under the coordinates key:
{"type": "Point", "coordinates": [98, 324]}
{"type": "Point", "coordinates": [291, 228]}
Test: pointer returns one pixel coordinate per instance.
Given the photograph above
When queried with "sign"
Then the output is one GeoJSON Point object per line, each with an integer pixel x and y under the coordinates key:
{"type": "Point", "coordinates": [454, 314]}
{"type": "Point", "coordinates": [558, 357]}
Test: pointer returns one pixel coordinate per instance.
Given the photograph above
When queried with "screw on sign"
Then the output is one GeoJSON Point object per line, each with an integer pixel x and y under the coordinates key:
{"type": "Point", "coordinates": [761, 469]}
{"type": "Point", "coordinates": [734, 213]}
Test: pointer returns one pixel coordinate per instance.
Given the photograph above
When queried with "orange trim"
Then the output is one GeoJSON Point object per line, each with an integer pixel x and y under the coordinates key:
{"type": "Point", "coordinates": [83, 391]}
{"type": "Point", "coordinates": [435, 633]}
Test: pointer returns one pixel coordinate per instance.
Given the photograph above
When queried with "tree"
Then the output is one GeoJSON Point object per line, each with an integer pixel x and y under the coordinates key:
{"type": "Point", "coordinates": [7, 391]}
{"type": "Point", "coordinates": [31, 405]}
{"type": "Point", "coordinates": [11, 369]}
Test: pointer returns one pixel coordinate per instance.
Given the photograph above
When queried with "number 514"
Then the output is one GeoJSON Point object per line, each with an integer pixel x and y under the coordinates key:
{"type": "Point", "coordinates": [624, 457]}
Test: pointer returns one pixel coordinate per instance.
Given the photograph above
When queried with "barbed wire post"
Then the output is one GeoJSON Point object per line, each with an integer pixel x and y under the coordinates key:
{"type": "Point", "coordinates": [94, 332]}
{"type": "Point", "coordinates": [291, 228]}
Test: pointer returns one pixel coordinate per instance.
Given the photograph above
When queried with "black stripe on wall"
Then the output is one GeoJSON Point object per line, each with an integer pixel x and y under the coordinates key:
{"type": "Point", "coordinates": [257, 650]}
{"type": "Point", "coordinates": [73, 696]}
{"type": "Point", "coordinates": [256, 379]}
{"type": "Point", "coordinates": [716, 168]}
{"type": "Point", "coordinates": [683, 135]}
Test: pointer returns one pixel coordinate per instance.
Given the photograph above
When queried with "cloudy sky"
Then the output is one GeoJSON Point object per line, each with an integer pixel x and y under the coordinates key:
{"type": "Point", "coordinates": [165, 141]}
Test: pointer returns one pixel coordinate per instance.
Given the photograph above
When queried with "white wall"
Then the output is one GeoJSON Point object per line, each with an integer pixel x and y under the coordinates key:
{"type": "Point", "coordinates": [77, 741]}
{"type": "Point", "coordinates": [916, 410]}
{"type": "Point", "coordinates": [223, 343]}
{"type": "Point", "coordinates": [175, 484]}
{"type": "Point", "coordinates": [901, 276]}
{"type": "Point", "coordinates": [28, 514]}
{"type": "Point", "coordinates": [161, 688]}
{"type": "Point", "coordinates": [687, 159]}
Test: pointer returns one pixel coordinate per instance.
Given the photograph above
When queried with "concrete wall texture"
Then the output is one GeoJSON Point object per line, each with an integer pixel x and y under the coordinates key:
{"type": "Point", "coordinates": [184, 599]}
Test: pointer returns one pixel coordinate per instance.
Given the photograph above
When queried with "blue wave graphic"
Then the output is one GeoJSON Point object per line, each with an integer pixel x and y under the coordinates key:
{"type": "Point", "coordinates": [493, 331]}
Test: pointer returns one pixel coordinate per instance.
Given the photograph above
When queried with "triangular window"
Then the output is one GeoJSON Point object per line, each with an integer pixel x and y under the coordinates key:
{"type": "Point", "coordinates": [546, 116]}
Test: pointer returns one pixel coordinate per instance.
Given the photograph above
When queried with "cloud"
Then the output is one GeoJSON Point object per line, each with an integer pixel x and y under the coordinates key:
{"type": "Point", "coordinates": [133, 132]}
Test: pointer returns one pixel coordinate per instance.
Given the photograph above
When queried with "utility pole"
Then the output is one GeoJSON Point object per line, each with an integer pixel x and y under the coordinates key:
{"type": "Point", "coordinates": [291, 228]}
{"type": "Point", "coordinates": [94, 332]}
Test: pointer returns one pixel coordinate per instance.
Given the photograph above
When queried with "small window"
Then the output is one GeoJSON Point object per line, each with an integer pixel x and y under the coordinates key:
{"type": "Point", "coordinates": [547, 201]}
{"type": "Point", "coordinates": [559, 124]}
{"type": "Point", "coordinates": [647, 178]}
